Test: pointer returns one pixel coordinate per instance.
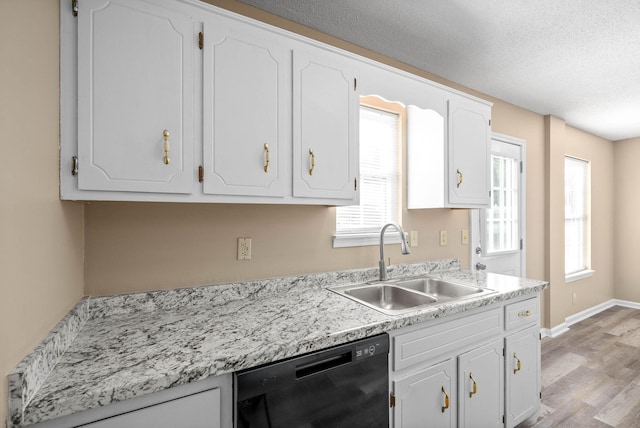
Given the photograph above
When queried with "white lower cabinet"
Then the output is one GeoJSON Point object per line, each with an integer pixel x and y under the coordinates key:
{"type": "Point", "coordinates": [522, 364]}
{"type": "Point", "coordinates": [480, 387]}
{"type": "Point", "coordinates": [426, 396]}
{"type": "Point", "coordinates": [204, 404]}
{"type": "Point", "coordinates": [468, 370]}
{"type": "Point", "coordinates": [197, 410]}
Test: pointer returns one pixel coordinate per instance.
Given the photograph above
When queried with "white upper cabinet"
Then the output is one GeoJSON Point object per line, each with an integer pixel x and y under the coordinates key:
{"type": "Point", "coordinates": [469, 146]}
{"type": "Point", "coordinates": [247, 115]}
{"type": "Point", "coordinates": [449, 169]}
{"type": "Point", "coordinates": [135, 97]}
{"type": "Point", "coordinates": [448, 136]}
{"type": "Point", "coordinates": [325, 126]}
{"type": "Point", "coordinates": [181, 101]}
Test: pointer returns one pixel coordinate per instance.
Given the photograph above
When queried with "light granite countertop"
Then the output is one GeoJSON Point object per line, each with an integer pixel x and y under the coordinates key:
{"type": "Point", "coordinates": [110, 349]}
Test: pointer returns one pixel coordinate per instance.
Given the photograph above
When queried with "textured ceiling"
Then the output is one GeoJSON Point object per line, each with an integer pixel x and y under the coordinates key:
{"type": "Point", "coordinates": [578, 60]}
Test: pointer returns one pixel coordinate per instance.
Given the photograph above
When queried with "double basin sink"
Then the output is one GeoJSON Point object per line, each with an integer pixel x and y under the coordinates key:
{"type": "Point", "coordinates": [398, 296]}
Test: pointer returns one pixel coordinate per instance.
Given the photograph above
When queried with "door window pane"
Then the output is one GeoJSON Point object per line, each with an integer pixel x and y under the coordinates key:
{"type": "Point", "coordinates": [502, 218]}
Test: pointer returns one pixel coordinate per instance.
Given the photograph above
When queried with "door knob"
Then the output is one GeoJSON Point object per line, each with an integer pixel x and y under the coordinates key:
{"type": "Point", "coordinates": [480, 266]}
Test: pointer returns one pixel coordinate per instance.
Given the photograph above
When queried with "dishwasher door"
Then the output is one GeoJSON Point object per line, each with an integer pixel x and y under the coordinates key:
{"type": "Point", "coordinates": [344, 386]}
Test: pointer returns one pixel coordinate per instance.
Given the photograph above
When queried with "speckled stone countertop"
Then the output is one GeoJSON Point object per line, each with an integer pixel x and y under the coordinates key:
{"type": "Point", "coordinates": [111, 349]}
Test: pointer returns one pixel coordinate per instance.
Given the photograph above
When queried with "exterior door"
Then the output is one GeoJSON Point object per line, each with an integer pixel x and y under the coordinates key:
{"type": "Point", "coordinates": [497, 233]}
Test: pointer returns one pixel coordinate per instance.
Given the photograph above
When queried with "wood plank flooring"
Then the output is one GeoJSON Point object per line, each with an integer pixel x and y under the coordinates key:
{"type": "Point", "coordinates": [591, 374]}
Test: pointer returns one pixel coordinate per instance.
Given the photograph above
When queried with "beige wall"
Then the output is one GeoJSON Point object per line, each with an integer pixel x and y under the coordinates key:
{"type": "Point", "coordinates": [41, 240]}
{"type": "Point", "coordinates": [600, 287]}
{"type": "Point", "coordinates": [627, 226]}
{"type": "Point", "coordinates": [137, 247]}
{"type": "Point", "coordinates": [566, 299]}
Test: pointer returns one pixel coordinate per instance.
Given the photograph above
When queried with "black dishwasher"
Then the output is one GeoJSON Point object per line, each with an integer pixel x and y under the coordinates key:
{"type": "Point", "coordinates": [343, 386]}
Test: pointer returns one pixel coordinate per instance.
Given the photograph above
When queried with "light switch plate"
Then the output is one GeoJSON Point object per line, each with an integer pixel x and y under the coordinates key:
{"type": "Point", "coordinates": [443, 238]}
{"type": "Point", "coordinates": [413, 238]}
{"type": "Point", "coordinates": [244, 248]}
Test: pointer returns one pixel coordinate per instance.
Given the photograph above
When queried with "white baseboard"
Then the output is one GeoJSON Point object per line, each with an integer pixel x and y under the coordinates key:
{"type": "Point", "coordinates": [580, 316]}
{"type": "Point", "coordinates": [555, 331]}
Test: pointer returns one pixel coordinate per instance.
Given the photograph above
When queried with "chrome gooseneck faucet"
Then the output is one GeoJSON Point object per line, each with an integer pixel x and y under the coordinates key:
{"type": "Point", "coordinates": [405, 248]}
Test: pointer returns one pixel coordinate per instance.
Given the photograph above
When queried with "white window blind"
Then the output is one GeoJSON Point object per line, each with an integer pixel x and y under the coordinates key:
{"type": "Point", "coordinates": [575, 215]}
{"type": "Point", "coordinates": [378, 175]}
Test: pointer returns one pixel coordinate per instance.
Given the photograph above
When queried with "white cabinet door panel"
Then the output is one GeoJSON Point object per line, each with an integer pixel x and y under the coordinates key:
{"type": "Point", "coordinates": [247, 116]}
{"type": "Point", "coordinates": [135, 80]}
{"type": "Point", "coordinates": [522, 375]}
{"type": "Point", "coordinates": [325, 127]}
{"type": "Point", "coordinates": [427, 398]}
{"type": "Point", "coordinates": [469, 136]}
{"type": "Point", "coordinates": [480, 387]}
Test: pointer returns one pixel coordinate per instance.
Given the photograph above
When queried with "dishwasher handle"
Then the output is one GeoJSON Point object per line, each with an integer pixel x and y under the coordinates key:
{"type": "Point", "coordinates": [328, 363]}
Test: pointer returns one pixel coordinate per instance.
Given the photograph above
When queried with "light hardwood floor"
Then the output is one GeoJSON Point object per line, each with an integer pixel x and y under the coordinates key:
{"type": "Point", "coordinates": [591, 374]}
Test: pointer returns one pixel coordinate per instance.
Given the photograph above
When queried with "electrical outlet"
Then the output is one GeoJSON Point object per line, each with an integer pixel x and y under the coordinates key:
{"type": "Point", "coordinates": [464, 237]}
{"type": "Point", "coordinates": [244, 248]}
{"type": "Point", "coordinates": [413, 238]}
{"type": "Point", "coordinates": [443, 238]}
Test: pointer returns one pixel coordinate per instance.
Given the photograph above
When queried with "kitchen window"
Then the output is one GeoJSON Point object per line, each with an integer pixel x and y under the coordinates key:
{"type": "Point", "coordinates": [576, 219]}
{"type": "Point", "coordinates": [358, 225]}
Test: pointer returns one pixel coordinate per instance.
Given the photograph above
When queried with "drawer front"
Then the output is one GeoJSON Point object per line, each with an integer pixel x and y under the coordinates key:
{"type": "Point", "coordinates": [522, 314]}
{"type": "Point", "coordinates": [445, 339]}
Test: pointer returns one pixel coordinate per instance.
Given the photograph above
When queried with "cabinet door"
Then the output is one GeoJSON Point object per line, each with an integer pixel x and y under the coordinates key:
{"type": "Point", "coordinates": [481, 386]}
{"type": "Point", "coordinates": [135, 81]}
{"type": "Point", "coordinates": [247, 116]}
{"type": "Point", "coordinates": [469, 136]}
{"type": "Point", "coordinates": [325, 127]}
{"type": "Point", "coordinates": [426, 398]}
{"type": "Point", "coordinates": [522, 375]}
{"type": "Point", "coordinates": [200, 410]}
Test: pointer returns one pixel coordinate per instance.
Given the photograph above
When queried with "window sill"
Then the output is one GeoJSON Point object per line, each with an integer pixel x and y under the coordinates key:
{"type": "Point", "coordinates": [364, 239]}
{"type": "Point", "coordinates": [578, 275]}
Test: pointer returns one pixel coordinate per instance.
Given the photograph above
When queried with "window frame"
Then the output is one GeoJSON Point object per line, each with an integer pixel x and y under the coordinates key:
{"type": "Point", "coordinates": [585, 217]}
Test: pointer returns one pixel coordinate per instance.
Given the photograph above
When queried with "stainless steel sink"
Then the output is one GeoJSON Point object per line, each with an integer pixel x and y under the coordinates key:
{"type": "Point", "coordinates": [441, 290]}
{"type": "Point", "coordinates": [404, 295]}
{"type": "Point", "coordinates": [388, 297]}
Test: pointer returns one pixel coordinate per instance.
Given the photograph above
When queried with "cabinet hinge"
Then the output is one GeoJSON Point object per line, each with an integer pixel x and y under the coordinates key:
{"type": "Point", "coordinates": [503, 419]}
{"type": "Point", "coordinates": [201, 40]}
{"type": "Point", "coordinates": [355, 83]}
{"type": "Point", "coordinates": [521, 244]}
{"type": "Point", "coordinates": [74, 7]}
{"type": "Point", "coordinates": [74, 165]}
{"type": "Point", "coordinates": [541, 395]}
{"type": "Point", "coordinates": [489, 122]}
{"type": "Point", "coordinates": [521, 167]}
{"type": "Point", "coordinates": [392, 400]}
{"type": "Point", "coordinates": [200, 174]}
{"type": "Point", "coordinates": [355, 184]}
